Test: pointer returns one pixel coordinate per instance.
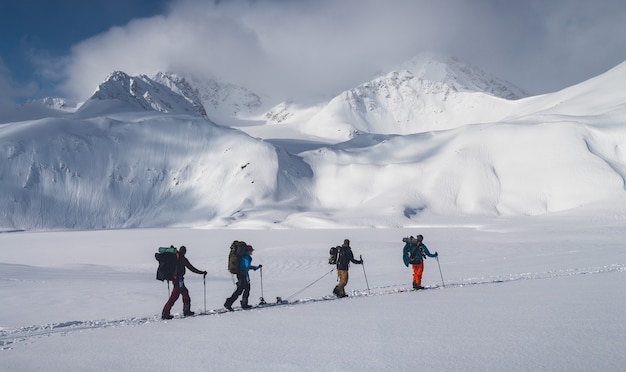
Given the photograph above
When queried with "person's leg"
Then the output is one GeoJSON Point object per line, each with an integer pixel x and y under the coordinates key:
{"type": "Point", "coordinates": [418, 270]}
{"type": "Point", "coordinates": [170, 302]}
{"type": "Point", "coordinates": [241, 280]}
{"type": "Point", "coordinates": [246, 294]}
{"type": "Point", "coordinates": [186, 301]}
{"type": "Point", "coordinates": [343, 281]}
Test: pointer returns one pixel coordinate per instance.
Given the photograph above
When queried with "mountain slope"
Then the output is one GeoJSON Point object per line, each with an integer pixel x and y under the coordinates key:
{"type": "Point", "coordinates": [140, 153]}
{"type": "Point", "coordinates": [154, 171]}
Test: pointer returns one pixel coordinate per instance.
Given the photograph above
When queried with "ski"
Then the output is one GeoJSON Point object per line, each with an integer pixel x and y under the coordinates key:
{"type": "Point", "coordinates": [261, 304]}
{"type": "Point", "coordinates": [410, 289]}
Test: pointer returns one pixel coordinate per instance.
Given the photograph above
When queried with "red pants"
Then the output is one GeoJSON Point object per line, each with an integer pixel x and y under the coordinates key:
{"type": "Point", "coordinates": [179, 289]}
{"type": "Point", "coordinates": [418, 269]}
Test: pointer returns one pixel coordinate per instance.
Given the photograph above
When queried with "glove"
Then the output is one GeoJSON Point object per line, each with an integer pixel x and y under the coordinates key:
{"type": "Point", "coordinates": [260, 266]}
{"type": "Point", "coordinates": [436, 254]}
{"type": "Point", "coordinates": [204, 273]}
{"type": "Point", "coordinates": [361, 262]}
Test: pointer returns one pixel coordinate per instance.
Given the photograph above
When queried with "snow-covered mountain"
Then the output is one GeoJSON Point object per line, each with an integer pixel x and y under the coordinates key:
{"type": "Point", "coordinates": [123, 93]}
{"type": "Point", "coordinates": [427, 93]}
{"type": "Point", "coordinates": [173, 93]}
{"type": "Point", "coordinates": [460, 76]}
{"type": "Point", "coordinates": [398, 149]}
{"type": "Point", "coordinates": [36, 109]}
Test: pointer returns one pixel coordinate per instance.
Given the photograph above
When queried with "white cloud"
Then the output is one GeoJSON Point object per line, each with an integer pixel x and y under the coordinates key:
{"type": "Point", "coordinates": [303, 49]}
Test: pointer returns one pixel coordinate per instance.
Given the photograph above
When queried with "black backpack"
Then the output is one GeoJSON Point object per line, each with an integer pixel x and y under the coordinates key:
{"type": "Point", "coordinates": [332, 259]}
{"type": "Point", "coordinates": [237, 250]}
{"type": "Point", "coordinates": [168, 260]}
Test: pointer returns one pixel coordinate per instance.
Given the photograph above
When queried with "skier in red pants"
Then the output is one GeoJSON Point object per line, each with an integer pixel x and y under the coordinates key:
{"type": "Point", "coordinates": [179, 285]}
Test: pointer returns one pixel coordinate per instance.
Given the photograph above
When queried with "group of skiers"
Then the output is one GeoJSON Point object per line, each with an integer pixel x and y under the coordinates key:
{"type": "Point", "coordinates": [413, 254]}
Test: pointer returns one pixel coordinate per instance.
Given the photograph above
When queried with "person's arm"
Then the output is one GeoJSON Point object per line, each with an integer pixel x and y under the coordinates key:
{"type": "Point", "coordinates": [246, 262]}
{"type": "Point", "coordinates": [428, 252]}
{"type": "Point", "coordinates": [357, 262]}
{"type": "Point", "coordinates": [192, 268]}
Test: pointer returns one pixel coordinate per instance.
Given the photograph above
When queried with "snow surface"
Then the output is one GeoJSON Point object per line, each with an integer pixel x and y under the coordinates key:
{"type": "Point", "coordinates": [525, 201]}
{"type": "Point", "coordinates": [521, 294]}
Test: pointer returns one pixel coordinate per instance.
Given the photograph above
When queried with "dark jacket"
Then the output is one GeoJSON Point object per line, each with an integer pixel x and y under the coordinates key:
{"type": "Point", "coordinates": [344, 257]}
{"type": "Point", "coordinates": [183, 263]}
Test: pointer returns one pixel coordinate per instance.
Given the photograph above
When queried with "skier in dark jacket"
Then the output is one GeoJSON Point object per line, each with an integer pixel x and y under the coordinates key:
{"type": "Point", "coordinates": [414, 253]}
{"type": "Point", "coordinates": [179, 285]}
{"type": "Point", "coordinates": [243, 281]}
{"type": "Point", "coordinates": [344, 257]}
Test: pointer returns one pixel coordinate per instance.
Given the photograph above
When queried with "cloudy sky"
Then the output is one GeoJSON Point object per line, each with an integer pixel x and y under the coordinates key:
{"type": "Point", "coordinates": [300, 49]}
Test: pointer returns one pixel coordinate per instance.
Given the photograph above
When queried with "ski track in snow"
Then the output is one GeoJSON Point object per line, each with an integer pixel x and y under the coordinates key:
{"type": "Point", "coordinates": [8, 338]}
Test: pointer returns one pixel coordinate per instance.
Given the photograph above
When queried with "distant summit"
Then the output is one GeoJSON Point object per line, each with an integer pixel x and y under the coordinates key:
{"type": "Point", "coordinates": [460, 76]}
{"type": "Point", "coordinates": [166, 93]}
{"type": "Point", "coordinates": [173, 93]}
{"type": "Point", "coordinates": [35, 109]}
{"type": "Point", "coordinates": [427, 93]}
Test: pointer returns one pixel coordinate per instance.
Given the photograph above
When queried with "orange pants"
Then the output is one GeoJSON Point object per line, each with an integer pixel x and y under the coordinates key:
{"type": "Point", "coordinates": [418, 269]}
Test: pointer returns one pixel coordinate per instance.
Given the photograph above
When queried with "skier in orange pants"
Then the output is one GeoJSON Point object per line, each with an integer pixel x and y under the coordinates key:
{"type": "Point", "coordinates": [414, 253]}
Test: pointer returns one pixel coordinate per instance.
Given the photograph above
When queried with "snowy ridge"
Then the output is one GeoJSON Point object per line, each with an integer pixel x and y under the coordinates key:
{"type": "Point", "coordinates": [401, 103]}
{"type": "Point", "coordinates": [9, 338]}
{"type": "Point", "coordinates": [461, 76]}
{"type": "Point", "coordinates": [429, 92]}
{"type": "Point", "coordinates": [36, 109]}
{"type": "Point", "coordinates": [166, 94]}
{"type": "Point", "coordinates": [226, 103]}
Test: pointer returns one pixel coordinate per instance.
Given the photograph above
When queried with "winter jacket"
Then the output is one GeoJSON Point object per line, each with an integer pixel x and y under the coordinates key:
{"type": "Point", "coordinates": [344, 257]}
{"type": "Point", "coordinates": [183, 263]}
{"type": "Point", "coordinates": [418, 251]}
{"type": "Point", "coordinates": [245, 264]}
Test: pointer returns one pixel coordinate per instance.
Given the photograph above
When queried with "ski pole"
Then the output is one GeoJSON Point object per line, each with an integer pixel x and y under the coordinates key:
{"type": "Point", "coordinates": [363, 266]}
{"type": "Point", "coordinates": [204, 281]}
{"type": "Point", "coordinates": [262, 300]}
{"type": "Point", "coordinates": [443, 284]}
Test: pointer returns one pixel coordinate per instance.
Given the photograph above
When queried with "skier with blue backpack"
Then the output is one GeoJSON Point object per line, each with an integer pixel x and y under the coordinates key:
{"type": "Point", "coordinates": [414, 253]}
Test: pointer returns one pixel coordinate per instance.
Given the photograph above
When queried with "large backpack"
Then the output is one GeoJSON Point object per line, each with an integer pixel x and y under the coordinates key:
{"type": "Point", "coordinates": [237, 250]}
{"type": "Point", "coordinates": [168, 259]}
{"type": "Point", "coordinates": [332, 259]}
{"type": "Point", "coordinates": [416, 253]}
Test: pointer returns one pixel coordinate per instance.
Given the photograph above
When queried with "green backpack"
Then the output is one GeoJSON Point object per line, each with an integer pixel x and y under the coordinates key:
{"type": "Point", "coordinates": [237, 250]}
